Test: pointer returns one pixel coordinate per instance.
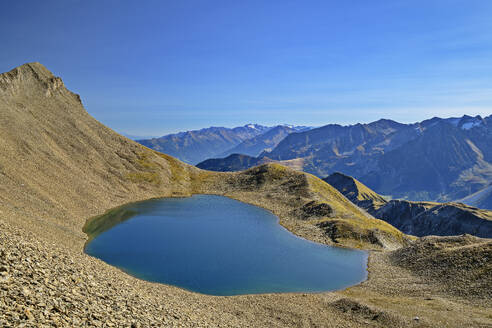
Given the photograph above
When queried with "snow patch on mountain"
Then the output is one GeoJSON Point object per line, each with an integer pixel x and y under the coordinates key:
{"type": "Point", "coordinates": [471, 125]}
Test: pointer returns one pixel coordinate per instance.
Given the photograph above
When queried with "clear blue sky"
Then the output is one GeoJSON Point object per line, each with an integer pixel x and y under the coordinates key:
{"type": "Point", "coordinates": [152, 67]}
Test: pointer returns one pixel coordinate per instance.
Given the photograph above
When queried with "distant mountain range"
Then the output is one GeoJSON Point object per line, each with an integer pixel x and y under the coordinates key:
{"type": "Point", "coordinates": [197, 145]}
{"type": "Point", "coordinates": [264, 142]}
{"type": "Point", "coordinates": [436, 159]}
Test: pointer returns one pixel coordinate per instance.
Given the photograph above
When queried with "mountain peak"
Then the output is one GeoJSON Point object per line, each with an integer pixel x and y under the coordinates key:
{"type": "Point", "coordinates": [32, 79]}
{"type": "Point", "coordinates": [35, 66]}
{"type": "Point", "coordinates": [33, 70]}
{"type": "Point", "coordinates": [468, 122]}
{"type": "Point", "coordinates": [355, 191]}
{"type": "Point", "coordinates": [385, 121]}
{"type": "Point", "coordinates": [251, 126]}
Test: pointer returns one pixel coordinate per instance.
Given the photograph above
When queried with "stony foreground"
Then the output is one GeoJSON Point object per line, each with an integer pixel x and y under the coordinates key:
{"type": "Point", "coordinates": [45, 285]}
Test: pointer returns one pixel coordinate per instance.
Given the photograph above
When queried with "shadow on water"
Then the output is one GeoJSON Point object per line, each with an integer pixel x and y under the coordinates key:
{"type": "Point", "coordinates": [99, 224]}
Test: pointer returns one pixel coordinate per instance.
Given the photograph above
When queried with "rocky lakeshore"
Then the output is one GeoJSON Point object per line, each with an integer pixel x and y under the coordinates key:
{"type": "Point", "coordinates": [43, 284]}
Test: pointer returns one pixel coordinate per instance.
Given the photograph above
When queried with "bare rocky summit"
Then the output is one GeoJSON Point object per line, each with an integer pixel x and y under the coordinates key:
{"type": "Point", "coordinates": [59, 167]}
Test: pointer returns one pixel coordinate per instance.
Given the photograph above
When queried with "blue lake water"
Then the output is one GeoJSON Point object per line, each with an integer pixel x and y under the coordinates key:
{"type": "Point", "coordinates": [219, 246]}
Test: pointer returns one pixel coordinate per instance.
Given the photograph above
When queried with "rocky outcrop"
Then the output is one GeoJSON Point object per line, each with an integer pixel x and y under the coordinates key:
{"type": "Point", "coordinates": [316, 209]}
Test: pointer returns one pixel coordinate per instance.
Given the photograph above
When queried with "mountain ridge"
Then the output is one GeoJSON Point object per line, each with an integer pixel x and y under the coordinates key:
{"type": "Point", "coordinates": [433, 160]}
{"type": "Point", "coordinates": [263, 142]}
{"type": "Point", "coordinates": [192, 146]}
{"type": "Point", "coordinates": [197, 145]}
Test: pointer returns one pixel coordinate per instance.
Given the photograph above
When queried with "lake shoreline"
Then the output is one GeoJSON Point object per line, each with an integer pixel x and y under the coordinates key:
{"type": "Point", "coordinates": [260, 240]}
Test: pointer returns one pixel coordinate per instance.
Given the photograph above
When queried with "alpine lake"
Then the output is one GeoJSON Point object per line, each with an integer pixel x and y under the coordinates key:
{"type": "Point", "coordinates": [218, 246]}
